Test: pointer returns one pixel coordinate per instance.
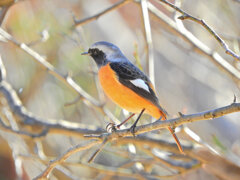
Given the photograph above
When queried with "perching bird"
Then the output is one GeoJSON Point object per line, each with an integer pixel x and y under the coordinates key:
{"type": "Point", "coordinates": [125, 84]}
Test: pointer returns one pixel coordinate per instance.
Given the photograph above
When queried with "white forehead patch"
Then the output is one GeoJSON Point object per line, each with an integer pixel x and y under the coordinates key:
{"type": "Point", "coordinates": [141, 84]}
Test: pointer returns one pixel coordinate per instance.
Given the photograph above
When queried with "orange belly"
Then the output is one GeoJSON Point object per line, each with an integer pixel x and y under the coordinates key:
{"type": "Point", "coordinates": [123, 96]}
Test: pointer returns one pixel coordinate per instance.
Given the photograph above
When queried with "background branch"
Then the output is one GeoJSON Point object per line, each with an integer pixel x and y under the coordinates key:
{"type": "Point", "coordinates": [200, 47]}
{"type": "Point", "coordinates": [105, 11]}
{"type": "Point", "coordinates": [63, 157]}
{"type": "Point", "coordinates": [208, 28]}
{"type": "Point", "coordinates": [148, 36]}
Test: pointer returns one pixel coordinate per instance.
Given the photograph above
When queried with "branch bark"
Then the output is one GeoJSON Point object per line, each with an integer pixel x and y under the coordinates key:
{"type": "Point", "coordinates": [183, 119]}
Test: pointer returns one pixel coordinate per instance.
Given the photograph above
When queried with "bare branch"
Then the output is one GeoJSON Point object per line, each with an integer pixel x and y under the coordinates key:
{"type": "Point", "coordinates": [96, 16]}
{"type": "Point", "coordinates": [148, 36]}
{"type": "Point", "coordinates": [207, 115]}
{"type": "Point", "coordinates": [197, 44]}
{"type": "Point", "coordinates": [180, 166]}
{"type": "Point", "coordinates": [154, 141]}
{"type": "Point", "coordinates": [2, 70]}
{"type": "Point", "coordinates": [87, 99]}
{"type": "Point", "coordinates": [22, 133]}
{"type": "Point", "coordinates": [59, 126]}
{"type": "Point", "coordinates": [108, 170]}
{"type": "Point", "coordinates": [62, 158]}
{"type": "Point", "coordinates": [98, 150]}
{"type": "Point", "coordinates": [185, 15]}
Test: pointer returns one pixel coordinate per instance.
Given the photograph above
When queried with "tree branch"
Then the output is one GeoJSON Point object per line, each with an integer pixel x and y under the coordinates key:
{"type": "Point", "coordinates": [55, 126]}
{"type": "Point", "coordinates": [207, 115]}
{"type": "Point", "coordinates": [96, 16]}
{"type": "Point", "coordinates": [63, 157]}
{"type": "Point", "coordinates": [148, 37]}
{"type": "Point", "coordinates": [22, 133]}
{"type": "Point", "coordinates": [185, 15]}
{"type": "Point", "coordinates": [200, 47]}
{"type": "Point", "coordinates": [87, 99]}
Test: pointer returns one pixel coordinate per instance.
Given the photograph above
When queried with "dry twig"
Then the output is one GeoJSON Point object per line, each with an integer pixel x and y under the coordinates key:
{"type": "Point", "coordinates": [63, 157]}
{"type": "Point", "coordinates": [87, 99]}
{"type": "Point", "coordinates": [185, 15]}
{"type": "Point", "coordinates": [105, 11]}
{"type": "Point", "coordinates": [148, 36]}
{"type": "Point", "coordinates": [207, 115]}
{"type": "Point", "coordinates": [200, 47]}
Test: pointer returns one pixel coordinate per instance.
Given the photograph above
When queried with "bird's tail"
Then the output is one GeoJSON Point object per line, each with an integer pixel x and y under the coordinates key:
{"type": "Point", "coordinates": [163, 115]}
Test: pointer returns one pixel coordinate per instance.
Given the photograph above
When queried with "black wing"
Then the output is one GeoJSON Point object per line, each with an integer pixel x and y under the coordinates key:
{"type": "Point", "coordinates": [127, 72]}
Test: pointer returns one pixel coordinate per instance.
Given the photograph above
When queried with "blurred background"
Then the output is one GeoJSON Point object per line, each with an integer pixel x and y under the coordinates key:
{"type": "Point", "coordinates": [186, 76]}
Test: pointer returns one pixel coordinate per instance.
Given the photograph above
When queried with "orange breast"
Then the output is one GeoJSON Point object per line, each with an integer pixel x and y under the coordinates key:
{"type": "Point", "coordinates": [123, 96]}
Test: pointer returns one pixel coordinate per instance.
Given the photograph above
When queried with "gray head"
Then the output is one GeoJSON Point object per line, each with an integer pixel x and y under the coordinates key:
{"type": "Point", "coordinates": [103, 52]}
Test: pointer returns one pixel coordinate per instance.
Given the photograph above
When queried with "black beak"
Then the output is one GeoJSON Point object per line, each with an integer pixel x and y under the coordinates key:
{"type": "Point", "coordinates": [86, 53]}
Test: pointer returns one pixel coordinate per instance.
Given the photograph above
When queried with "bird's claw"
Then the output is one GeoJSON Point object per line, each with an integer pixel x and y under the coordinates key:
{"type": "Point", "coordinates": [111, 127]}
{"type": "Point", "coordinates": [132, 130]}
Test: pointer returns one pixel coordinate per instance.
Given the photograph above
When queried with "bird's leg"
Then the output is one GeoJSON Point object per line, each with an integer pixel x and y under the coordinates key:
{"type": "Point", "coordinates": [132, 128]}
{"type": "Point", "coordinates": [126, 120]}
{"type": "Point", "coordinates": [112, 127]}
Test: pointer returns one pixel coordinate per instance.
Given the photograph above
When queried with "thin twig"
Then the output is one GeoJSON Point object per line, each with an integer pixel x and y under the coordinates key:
{"type": "Point", "coordinates": [108, 170]}
{"type": "Point", "coordinates": [98, 150]}
{"type": "Point", "coordinates": [196, 43]}
{"type": "Point", "coordinates": [23, 133]}
{"type": "Point", "coordinates": [63, 157]}
{"type": "Point", "coordinates": [96, 16]}
{"type": "Point", "coordinates": [185, 15]}
{"type": "Point", "coordinates": [55, 125]}
{"type": "Point", "coordinates": [153, 140]}
{"type": "Point", "coordinates": [181, 166]}
{"type": "Point", "coordinates": [87, 99]}
{"type": "Point", "coordinates": [3, 72]}
{"type": "Point", "coordinates": [148, 36]}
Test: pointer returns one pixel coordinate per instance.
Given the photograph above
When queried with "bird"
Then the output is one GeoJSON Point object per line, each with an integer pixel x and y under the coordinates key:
{"type": "Point", "coordinates": [126, 85]}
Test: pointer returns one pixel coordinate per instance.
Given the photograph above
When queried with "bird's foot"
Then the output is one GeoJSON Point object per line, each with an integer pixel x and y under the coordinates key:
{"type": "Point", "coordinates": [132, 130]}
{"type": "Point", "coordinates": [111, 127]}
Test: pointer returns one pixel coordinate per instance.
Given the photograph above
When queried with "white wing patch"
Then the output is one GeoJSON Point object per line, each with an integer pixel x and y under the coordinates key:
{"type": "Point", "coordinates": [140, 83]}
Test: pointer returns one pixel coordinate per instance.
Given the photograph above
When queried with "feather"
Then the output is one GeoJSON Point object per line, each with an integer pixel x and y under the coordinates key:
{"type": "Point", "coordinates": [141, 84]}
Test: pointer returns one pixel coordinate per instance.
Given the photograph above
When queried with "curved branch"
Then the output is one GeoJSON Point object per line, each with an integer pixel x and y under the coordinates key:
{"type": "Point", "coordinates": [185, 15]}
{"type": "Point", "coordinates": [200, 47]}
{"type": "Point", "coordinates": [96, 16]}
{"type": "Point", "coordinates": [87, 98]}
{"type": "Point", "coordinates": [63, 157]}
{"type": "Point", "coordinates": [22, 133]}
{"type": "Point", "coordinates": [183, 119]}
{"type": "Point", "coordinates": [54, 125]}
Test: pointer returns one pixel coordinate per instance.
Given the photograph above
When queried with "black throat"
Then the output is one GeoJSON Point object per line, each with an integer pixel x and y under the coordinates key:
{"type": "Point", "coordinates": [98, 56]}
